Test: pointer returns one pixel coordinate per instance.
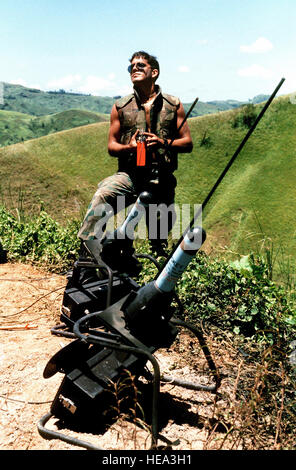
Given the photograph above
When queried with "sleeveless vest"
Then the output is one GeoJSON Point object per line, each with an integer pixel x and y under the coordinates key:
{"type": "Point", "coordinates": [163, 123]}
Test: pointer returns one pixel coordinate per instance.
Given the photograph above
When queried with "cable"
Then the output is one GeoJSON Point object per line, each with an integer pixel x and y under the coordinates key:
{"type": "Point", "coordinates": [38, 300]}
{"type": "Point", "coordinates": [28, 279]}
{"type": "Point", "coordinates": [26, 402]}
{"type": "Point", "coordinates": [151, 258]}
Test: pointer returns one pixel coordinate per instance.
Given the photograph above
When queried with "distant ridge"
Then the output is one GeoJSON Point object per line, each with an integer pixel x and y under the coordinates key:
{"type": "Point", "coordinates": [18, 127]}
{"type": "Point", "coordinates": [39, 103]}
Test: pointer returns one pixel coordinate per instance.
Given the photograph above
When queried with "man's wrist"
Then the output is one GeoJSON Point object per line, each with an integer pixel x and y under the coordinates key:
{"type": "Point", "coordinates": [165, 144]}
{"type": "Point", "coordinates": [131, 149]}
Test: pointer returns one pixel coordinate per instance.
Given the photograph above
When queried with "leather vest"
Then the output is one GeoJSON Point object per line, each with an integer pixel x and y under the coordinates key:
{"type": "Point", "coordinates": [163, 123]}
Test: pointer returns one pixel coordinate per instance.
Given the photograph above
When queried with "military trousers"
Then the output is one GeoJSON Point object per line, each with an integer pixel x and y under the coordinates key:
{"type": "Point", "coordinates": [128, 188]}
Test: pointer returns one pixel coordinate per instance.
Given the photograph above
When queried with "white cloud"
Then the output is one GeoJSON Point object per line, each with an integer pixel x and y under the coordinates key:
{"type": "Point", "coordinates": [66, 82]}
{"type": "Point", "coordinates": [202, 42]}
{"type": "Point", "coordinates": [255, 71]}
{"type": "Point", "coordinates": [99, 85]}
{"type": "Point", "coordinates": [21, 81]}
{"type": "Point", "coordinates": [92, 84]}
{"type": "Point", "coordinates": [183, 69]}
{"type": "Point", "coordinates": [259, 46]}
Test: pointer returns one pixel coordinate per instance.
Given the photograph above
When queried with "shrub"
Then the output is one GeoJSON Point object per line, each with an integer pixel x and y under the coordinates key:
{"type": "Point", "coordinates": [206, 141]}
{"type": "Point", "coordinates": [246, 117]}
{"type": "Point", "coordinates": [39, 240]}
{"type": "Point", "coordinates": [237, 296]}
{"type": "Point", "coordinates": [234, 296]}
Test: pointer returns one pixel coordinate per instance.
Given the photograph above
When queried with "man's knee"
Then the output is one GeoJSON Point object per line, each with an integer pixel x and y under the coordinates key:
{"type": "Point", "coordinates": [114, 193]}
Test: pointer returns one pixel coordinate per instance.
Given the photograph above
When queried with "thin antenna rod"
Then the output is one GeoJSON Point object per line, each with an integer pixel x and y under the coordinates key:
{"type": "Point", "coordinates": [238, 150]}
{"type": "Point", "coordinates": [180, 127]}
{"type": "Point", "coordinates": [236, 153]}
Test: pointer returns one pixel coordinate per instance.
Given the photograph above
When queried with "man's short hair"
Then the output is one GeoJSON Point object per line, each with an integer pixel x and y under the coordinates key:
{"type": "Point", "coordinates": [151, 59]}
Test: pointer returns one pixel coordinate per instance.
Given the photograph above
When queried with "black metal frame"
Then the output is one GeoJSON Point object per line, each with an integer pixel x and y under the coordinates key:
{"type": "Point", "coordinates": [116, 338]}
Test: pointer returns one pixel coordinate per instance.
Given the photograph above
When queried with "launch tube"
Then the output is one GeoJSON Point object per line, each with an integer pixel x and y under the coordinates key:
{"type": "Point", "coordinates": [126, 230]}
{"type": "Point", "coordinates": [180, 259]}
{"type": "Point", "coordinates": [148, 308]}
{"type": "Point", "coordinates": [134, 216]}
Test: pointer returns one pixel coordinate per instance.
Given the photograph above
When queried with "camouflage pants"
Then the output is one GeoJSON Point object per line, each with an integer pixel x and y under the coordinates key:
{"type": "Point", "coordinates": [118, 185]}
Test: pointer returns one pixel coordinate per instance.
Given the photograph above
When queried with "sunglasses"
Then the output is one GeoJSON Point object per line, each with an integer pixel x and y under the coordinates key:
{"type": "Point", "coordinates": [139, 65]}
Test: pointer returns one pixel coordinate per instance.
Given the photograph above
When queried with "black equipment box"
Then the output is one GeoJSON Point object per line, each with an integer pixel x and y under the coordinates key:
{"type": "Point", "coordinates": [93, 297]}
{"type": "Point", "coordinates": [87, 389]}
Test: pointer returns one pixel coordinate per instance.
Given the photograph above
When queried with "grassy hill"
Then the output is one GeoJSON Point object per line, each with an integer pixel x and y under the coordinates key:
{"type": "Point", "coordinates": [254, 205]}
{"type": "Point", "coordinates": [39, 103]}
{"type": "Point", "coordinates": [61, 170]}
{"type": "Point", "coordinates": [18, 127]}
{"type": "Point", "coordinates": [255, 201]}
{"type": "Point", "coordinates": [212, 107]}
{"type": "Point", "coordinates": [39, 113]}
{"type": "Point", "coordinates": [13, 127]}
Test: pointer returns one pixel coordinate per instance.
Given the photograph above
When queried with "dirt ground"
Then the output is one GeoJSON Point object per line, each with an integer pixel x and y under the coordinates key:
{"type": "Point", "coordinates": [30, 301]}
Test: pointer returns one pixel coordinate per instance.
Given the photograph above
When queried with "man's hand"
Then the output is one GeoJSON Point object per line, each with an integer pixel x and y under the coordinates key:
{"type": "Point", "coordinates": [133, 141]}
{"type": "Point", "coordinates": [153, 141]}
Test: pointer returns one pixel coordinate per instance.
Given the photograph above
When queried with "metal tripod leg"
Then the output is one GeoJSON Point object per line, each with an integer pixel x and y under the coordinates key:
{"type": "Point", "coordinates": [50, 434]}
{"type": "Point", "coordinates": [191, 385]}
{"type": "Point", "coordinates": [205, 350]}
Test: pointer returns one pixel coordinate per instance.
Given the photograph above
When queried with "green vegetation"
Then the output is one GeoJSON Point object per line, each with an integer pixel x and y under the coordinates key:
{"type": "Point", "coordinates": [31, 101]}
{"type": "Point", "coordinates": [14, 127]}
{"type": "Point", "coordinates": [62, 170]}
{"type": "Point", "coordinates": [253, 207]}
{"type": "Point", "coordinates": [250, 325]}
{"type": "Point", "coordinates": [60, 110]}
{"type": "Point", "coordinates": [17, 127]}
{"type": "Point", "coordinates": [39, 240]}
{"type": "Point", "coordinates": [230, 289]}
{"type": "Point", "coordinates": [213, 107]}
{"type": "Point", "coordinates": [238, 296]}
{"type": "Point", "coordinates": [40, 103]}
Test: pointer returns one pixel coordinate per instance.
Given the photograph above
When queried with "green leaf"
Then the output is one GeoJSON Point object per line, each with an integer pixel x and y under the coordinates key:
{"type": "Point", "coordinates": [242, 265]}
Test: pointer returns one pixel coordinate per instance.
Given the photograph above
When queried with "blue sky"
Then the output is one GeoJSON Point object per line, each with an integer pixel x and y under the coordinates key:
{"type": "Point", "coordinates": [213, 49]}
